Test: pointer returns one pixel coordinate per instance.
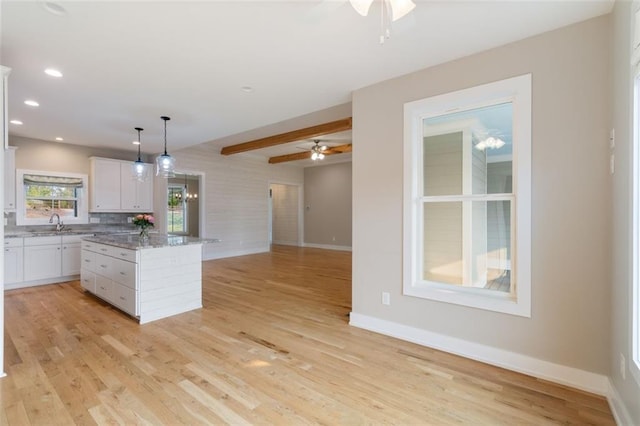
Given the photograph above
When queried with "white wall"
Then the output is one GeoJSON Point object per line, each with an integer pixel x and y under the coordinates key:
{"type": "Point", "coordinates": [570, 322]}
{"type": "Point", "coordinates": [621, 272]}
{"type": "Point", "coordinates": [236, 197]}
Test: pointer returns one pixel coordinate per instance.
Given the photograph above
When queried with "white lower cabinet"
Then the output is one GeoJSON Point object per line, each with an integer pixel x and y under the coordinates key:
{"type": "Point", "coordinates": [13, 261]}
{"type": "Point", "coordinates": [33, 261]}
{"type": "Point", "coordinates": [42, 258]}
{"type": "Point", "coordinates": [114, 272]}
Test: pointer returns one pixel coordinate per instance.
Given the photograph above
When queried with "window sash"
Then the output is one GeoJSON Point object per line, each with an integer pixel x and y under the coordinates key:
{"type": "Point", "coordinates": [516, 90]}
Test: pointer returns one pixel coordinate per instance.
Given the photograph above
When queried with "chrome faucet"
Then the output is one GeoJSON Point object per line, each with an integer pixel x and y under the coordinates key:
{"type": "Point", "coordinates": [59, 224]}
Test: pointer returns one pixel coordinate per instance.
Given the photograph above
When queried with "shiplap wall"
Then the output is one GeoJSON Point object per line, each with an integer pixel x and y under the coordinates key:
{"type": "Point", "coordinates": [236, 198]}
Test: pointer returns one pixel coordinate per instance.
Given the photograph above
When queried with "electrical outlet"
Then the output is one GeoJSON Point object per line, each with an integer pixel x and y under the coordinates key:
{"type": "Point", "coordinates": [386, 298]}
{"type": "Point", "coordinates": [94, 220]}
{"type": "Point", "coordinates": [623, 367]}
{"type": "Point", "coordinates": [130, 220]}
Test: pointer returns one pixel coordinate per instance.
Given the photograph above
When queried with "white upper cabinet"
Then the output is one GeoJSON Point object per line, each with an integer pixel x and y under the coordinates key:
{"type": "Point", "coordinates": [113, 189]}
{"type": "Point", "coordinates": [10, 179]}
{"type": "Point", "coordinates": [134, 194]}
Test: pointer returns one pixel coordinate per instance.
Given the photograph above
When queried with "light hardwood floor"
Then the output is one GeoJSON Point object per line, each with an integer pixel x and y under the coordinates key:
{"type": "Point", "coordinates": [272, 345]}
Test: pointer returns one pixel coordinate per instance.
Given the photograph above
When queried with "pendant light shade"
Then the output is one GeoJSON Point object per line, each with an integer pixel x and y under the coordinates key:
{"type": "Point", "coordinates": [139, 169]}
{"type": "Point", "coordinates": [165, 164]}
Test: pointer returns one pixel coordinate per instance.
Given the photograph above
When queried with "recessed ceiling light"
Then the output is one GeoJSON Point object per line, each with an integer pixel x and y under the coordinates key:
{"type": "Point", "coordinates": [54, 8]}
{"type": "Point", "coordinates": [53, 72]}
{"type": "Point", "coordinates": [136, 142]}
{"type": "Point", "coordinates": [31, 103]}
{"type": "Point", "coordinates": [17, 122]}
{"type": "Point", "coordinates": [247, 89]}
{"type": "Point", "coordinates": [59, 139]}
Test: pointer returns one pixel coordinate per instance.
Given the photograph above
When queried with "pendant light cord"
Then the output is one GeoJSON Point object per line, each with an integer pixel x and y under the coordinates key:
{"type": "Point", "coordinates": [139, 129]}
{"type": "Point", "coordinates": [165, 133]}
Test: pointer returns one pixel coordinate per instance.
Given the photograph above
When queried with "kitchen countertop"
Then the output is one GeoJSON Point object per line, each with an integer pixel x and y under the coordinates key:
{"type": "Point", "coordinates": [29, 234]}
{"type": "Point", "coordinates": [133, 241]}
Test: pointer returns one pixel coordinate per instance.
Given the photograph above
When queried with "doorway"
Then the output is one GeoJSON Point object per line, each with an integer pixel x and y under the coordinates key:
{"type": "Point", "coordinates": [184, 204]}
{"type": "Point", "coordinates": [285, 214]}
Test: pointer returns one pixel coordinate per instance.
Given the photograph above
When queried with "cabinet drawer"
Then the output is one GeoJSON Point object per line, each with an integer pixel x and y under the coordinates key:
{"type": "Point", "coordinates": [68, 239]}
{"type": "Point", "coordinates": [124, 298]}
{"type": "Point", "coordinates": [88, 261]}
{"type": "Point", "coordinates": [13, 242]}
{"type": "Point", "coordinates": [121, 253]}
{"type": "Point", "coordinates": [101, 248]}
{"type": "Point", "coordinates": [88, 280]}
{"type": "Point", "coordinates": [42, 241]}
{"type": "Point", "coordinates": [103, 265]}
{"type": "Point", "coordinates": [88, 245]}
{"type": "Point", "coordinates": [124, 272]}
{"type": "Point", "coordinates": [104, 288]}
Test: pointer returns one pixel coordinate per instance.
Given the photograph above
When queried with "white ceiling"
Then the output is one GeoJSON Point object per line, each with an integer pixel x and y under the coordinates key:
{"type": "Point", "coordinates": [127, 63]}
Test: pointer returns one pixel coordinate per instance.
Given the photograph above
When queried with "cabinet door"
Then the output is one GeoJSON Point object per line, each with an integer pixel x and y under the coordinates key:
{"type": "Point", "coordinates": [10, 179]}
{"type": "Point", "coordinates": [105, 185]}
{"type": "Point", "coordinates": [13, 265]}
{"type": "Point", "coordinates": [104, 288]}
{"type": "Point", "coordinates": [88, 280]}
{"type": "Point", "coordinates": [124, 298]}
{"type": "Point", "coordinates": [42, 262]}
{"type": "Point", "coordinates": [135, 196]}
{"type": "Point", "coordinates": [71, 259]}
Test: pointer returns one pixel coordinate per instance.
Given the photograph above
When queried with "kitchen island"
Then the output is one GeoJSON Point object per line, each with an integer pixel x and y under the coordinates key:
{"type": "Point", "coordinates": [149, 279]}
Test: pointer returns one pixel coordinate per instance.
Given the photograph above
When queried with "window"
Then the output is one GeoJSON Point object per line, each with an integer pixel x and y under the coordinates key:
{"type": "Point", "coordinates": [177, 209]}
{"type": "Point", "coordinates": [44, 194]}
{"type": "Point", "coordinates": [467, 197]}
{"type": "Point", "coordinates": [635, 326]}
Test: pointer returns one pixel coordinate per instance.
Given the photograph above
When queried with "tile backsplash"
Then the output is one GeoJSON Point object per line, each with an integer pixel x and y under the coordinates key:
{"type": "Point", "coordinates": [108, 222]}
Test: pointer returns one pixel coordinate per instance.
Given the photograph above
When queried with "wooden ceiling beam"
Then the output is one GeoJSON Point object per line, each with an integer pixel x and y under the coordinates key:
{"type": "Point", "coordinates": [307, 154]}
{"type": "Point", "coordinates": [295, 135]}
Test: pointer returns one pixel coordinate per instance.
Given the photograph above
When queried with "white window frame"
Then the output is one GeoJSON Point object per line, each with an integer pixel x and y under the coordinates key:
{"type": "Point", "coordinates": [516, 90]}
{"type": "Point", "coordinates": [82, 200]}
{"type": "Point", "coordinates": [185, 225]}
{"type": "Point", "coordinates": [634, 365]}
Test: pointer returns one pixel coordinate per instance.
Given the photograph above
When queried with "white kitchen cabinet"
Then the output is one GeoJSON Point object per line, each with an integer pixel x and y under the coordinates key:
{"type": "Point", "coordinates": [135, 196]}
{"type": "Point", "coordinates": [4, 117]}
{"type": "Point", "coordinates": [114, 271]}
{"type": "Point", "coordinates": [42, 258]}
{"type": "Point", "coordinates": [71, 255]}
{"type": "Point", "coordinates": [104, 185]}
{"type": "Point", "coordinates": [113, 188]}
{"type": "Point", "coordinates": [10, 179]}
{"type": "Point", "coordinates": [13, 260]}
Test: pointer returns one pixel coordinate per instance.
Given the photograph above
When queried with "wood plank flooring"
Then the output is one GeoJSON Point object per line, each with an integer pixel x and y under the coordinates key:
{"type": "Point", "coordinates": [272, 345]}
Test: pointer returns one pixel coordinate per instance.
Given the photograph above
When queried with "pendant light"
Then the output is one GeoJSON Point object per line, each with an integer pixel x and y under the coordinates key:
{"type": "Point", "coordinates": [165, 164]}
{"type": "Point", "coordinates": [139, 169]}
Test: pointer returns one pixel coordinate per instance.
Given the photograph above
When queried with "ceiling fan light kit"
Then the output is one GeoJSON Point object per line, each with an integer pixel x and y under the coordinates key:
{"type": "Point", "coordinates": [316, 151]}
{"type": "Point", "coordinates": [395, 9]}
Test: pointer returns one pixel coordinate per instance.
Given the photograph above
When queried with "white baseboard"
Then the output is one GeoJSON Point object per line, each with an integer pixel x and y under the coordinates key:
{"type": "Point", "coordinates": [569, 376]}
{"type": "Point", "coordinates": [47, 281]}
{"type": "Point", "coordinates": [327, 246]}
{"type": "Point", "coordinates": [618, 409]}
{"type": "Point", "coordinates": [285, 243]}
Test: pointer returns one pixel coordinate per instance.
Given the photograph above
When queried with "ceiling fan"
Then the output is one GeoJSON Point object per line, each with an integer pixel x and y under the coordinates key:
{"type": "Point", "coordinates": [317, 150]}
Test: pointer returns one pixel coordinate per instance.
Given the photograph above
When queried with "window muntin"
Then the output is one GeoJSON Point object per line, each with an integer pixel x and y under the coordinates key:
{"type": "Point", "coordinates": [43, 194]}
{"type": "Point", "coordinates": [176, 209]}
{"type": "Point", "coordinates": [467, 197]}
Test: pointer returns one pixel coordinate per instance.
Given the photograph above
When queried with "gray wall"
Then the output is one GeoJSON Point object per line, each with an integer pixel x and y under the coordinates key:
{"type": "Point", "coordinates": [621, 271]}
{"type": "Point", "coordinates": [571, 221]}
{"type": "Point", "coordinates": [327, 205]}
{"type": "Point", "coordinates": [42, 155]}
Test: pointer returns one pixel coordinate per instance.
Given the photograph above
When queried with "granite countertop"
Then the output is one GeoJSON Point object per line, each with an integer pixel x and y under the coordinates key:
{"type": "Point", "coordinates": [28, 234]}
{"type": "Point", "coordinates": [133, 241]}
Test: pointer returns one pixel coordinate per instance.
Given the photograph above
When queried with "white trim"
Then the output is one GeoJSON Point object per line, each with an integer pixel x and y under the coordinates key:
{"type": "Point", "coordinates": [286, 243]}
{"type": "Point", "coordinates": [618, 409]}
{"type": "Point", "coordinates": [634, 327]}
{"type": "Point", "coordinates": [45, 281]}
{"type": "Point", "coordinates": [327, 246]}
{"type": "Point", "coordinates": [516, 90]}
{"type": "Point", "coordinates": [569, 376]}
{"type": "Point", "coordinates": [82, 199]}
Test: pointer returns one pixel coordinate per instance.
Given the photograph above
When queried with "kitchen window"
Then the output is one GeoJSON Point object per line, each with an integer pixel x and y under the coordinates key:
{"type": "Point", "coordinates": [41, 195]}
{"type": "Point", "coordinates": [467, 197]}
{"type": "Point", "coordinates": [177, 210]}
